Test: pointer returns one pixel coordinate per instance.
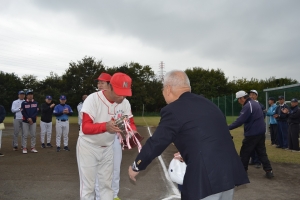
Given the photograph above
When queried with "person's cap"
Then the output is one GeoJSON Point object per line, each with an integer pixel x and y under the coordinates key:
{"type": "Point", "coordinates": [240, 94]}
{"type": "Point", "coordinates": [121, 84]}
{"type": "Point", "coordinates": [49, 97]}
{"type": "Point", "coordinates": [63, 97]}
{"type": "Point", "coordinates": [29, 92]}
{"type": "Point", "coordinates": [104, 77]}
{"type": "Point", "coordinates": [272, 98]}
{"type": "Point", "coordinates": [21, 92]}
{"type": "Point", "coordinates": [254, 91]}
{"type": "Point", "coordinates": [294, 100]}
{"type": "Point", "coordinates": [280, 97]}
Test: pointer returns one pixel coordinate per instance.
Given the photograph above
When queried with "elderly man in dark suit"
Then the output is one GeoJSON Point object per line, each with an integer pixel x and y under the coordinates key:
{"type": "Point", "coordinates": [198, 129]}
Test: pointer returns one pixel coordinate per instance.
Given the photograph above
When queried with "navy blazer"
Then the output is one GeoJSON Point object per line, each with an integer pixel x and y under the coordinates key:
{"type": "Point", "coordinates": [199, 130]}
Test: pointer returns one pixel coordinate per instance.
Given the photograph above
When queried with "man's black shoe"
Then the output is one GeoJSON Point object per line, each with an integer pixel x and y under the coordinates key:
{"type": "Point", "coordinates": [269, 174]}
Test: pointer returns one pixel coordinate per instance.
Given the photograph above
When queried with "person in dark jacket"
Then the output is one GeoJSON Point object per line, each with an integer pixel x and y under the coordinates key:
{"type": "Point", "coordinates": [198, 129]}
{"type": "Point", "coordinates": [282, 125]}
{"type": "Point", "coordinates": [252, 117]}
{"type": "Point", "coordinates": [29, 111]}
{"type": "Point", "coordinates": [293, 121]}
{"type": "Point", "coordinates": [2, 117]}
{"type": "Point", "coordinates": [253, 94]}
{"type": "Point", "coordinates": [46, 121]}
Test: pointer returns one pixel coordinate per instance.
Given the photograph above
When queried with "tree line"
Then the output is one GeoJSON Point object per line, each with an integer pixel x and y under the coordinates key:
{"type": "Point", "coordinates": [79, 79]}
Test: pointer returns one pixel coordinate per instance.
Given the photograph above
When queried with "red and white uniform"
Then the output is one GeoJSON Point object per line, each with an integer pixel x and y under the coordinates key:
{"type": "Point", "coordinates": [95, 144]}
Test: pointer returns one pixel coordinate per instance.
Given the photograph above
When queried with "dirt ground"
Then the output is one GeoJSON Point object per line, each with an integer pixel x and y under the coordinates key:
{"type": "Point", "coordinates": [54, 175]}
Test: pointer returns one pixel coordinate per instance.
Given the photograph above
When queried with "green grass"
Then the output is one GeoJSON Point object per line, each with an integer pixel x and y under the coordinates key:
{"type": "Point", "coordinates": [275, 155]}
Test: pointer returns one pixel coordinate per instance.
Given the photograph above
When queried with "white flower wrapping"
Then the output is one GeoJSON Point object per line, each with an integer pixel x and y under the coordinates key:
{"type": "Point", "coordinates": [177, 171]}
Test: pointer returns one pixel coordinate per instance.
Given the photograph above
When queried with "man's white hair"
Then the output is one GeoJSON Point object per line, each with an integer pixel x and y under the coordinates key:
{"type": "Point", "coordinates": [171, 78]}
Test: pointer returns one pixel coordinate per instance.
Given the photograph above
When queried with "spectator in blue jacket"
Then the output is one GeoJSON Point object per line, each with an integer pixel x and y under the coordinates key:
{"type": "Point", "coordinates": [2, 117]}
{"type": "Point", "coordinates": [273, 122]}
{"type": "Point", "coordinates": [282, 125]}
{"type": "Point", "coordinates": [252, 117]}
{"type": "Point", "coordinates": [29, 111]}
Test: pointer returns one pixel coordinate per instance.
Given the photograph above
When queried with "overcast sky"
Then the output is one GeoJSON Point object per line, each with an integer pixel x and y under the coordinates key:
{"type": "Point", "coordinates": [247, 39]}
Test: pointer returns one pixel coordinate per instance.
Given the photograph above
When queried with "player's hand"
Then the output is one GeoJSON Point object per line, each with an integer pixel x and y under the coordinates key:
{"type": "Point", "coordinates": [111, 127]}
{"type": "Point", "coordinates": [285, 110]}
{"type": "Point", "coordinates": [30, 121]}
{"type": "Point", "coordinates": [132, 174]}
{"type": "Point", "coordinates": [52, 105]}
{"type": "Point", "coordinates": [66, 111]}
{"type": "Point", "coordinates": [177, 156]}
{"type": "Point", "coordinates": [276, 115]}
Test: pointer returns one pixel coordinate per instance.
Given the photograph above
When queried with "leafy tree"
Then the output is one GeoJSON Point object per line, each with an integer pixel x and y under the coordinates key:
{"type": "Point", "coordinates": [10, 84]}
{"type": "Point", "coordinates": [210, 83]}
{"type": "Point", "coordinates": [79, 79]}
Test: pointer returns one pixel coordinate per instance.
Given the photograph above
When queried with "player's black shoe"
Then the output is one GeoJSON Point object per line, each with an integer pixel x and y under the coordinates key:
{"type": "Point", "coordinates": [269, 174]}
{"type": "Point", "coordinates": [43, 145]}
{"type": "Point", "coordinates": [49, 145]}
{"type": "Point", "coordinates": [58, 149]}
{"type": "Point", "coordinates": [66, 148]}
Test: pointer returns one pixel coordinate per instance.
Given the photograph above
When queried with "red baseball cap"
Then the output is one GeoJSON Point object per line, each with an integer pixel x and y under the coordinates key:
{"type": "Point", "coordinates": [121, 84]}
{"type": "Point", "coordinates": [104, 77]}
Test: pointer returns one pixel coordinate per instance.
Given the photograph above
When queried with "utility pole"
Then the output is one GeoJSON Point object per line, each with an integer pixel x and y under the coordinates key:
{"type": "Point", "coordinates": [161, 71]}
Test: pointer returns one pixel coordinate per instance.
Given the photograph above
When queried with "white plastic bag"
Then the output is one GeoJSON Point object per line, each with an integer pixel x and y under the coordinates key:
{"type": "Point", "coordinates": [177, 171]}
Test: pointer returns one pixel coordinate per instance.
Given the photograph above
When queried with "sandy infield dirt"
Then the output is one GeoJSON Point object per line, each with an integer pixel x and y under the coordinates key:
{"type": "Point", "coordinates": [54, 175]}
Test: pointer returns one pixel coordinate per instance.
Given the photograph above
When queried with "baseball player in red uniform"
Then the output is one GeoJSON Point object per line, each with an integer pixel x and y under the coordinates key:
{"type": "Point", "coordinates": [103, 84]}
{"type": "Point", "coordinates": [97, 135]}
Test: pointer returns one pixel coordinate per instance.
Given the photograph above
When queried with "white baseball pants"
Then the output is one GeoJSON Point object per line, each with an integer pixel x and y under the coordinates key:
{"type": "Point", "coordinates": [27, 128]}
{"type": "Point", "coordinates": [94, 161]}
{"type": "Point", "coordinates": [46, 128]}
{"type": "Point", "coordinates": [18, 125]}
{"type": "Point", "coordinates": [62, 128]}
{"type": "Point", "coordinates": [116, 172]}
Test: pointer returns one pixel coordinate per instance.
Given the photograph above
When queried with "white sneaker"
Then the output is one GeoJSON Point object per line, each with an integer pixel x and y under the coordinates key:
{"type": "Point", "coordinates": [24, 150]}
{"type": "Point", "coordinates": [33, 150]}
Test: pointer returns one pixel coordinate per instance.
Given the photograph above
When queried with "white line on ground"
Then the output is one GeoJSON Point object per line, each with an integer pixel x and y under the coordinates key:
{"type": "Point", "coordinates": [169, 181]}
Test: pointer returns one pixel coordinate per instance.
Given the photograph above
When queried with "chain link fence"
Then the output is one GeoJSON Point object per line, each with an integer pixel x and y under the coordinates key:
{"type": "Point", "coordinates": [231, 108]}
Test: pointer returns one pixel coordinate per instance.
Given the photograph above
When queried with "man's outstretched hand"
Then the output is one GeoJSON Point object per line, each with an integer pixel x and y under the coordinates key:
{"type": "Point", "coordinates": [132, 174]}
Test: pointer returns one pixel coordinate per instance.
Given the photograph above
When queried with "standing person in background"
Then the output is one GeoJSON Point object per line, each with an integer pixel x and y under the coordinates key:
{"type": "Point", "coordinates": [29, 111]}
{"type": "Point", "coordinates": [79, 108]}
{"type": "Point", "coordinates": [2, 117]}
{"type": "Point", "coordinates": [62, 112]}
{"type": "Point", "coordinates": [18, 118]}
{"type": "Point", "coordinates": [253, 94]}
{"type": "Point", "coordinates": [103, 84]}
{"type": "Point", "coordinates": [254, 132]}
{"type": "Point", "coordinates": [273, 123]}
{"type": "Point", "coordinates": [46, 121]}
{"type": "Point", "coordinates": [282, 125]}
{"type": "Point", "coordinates": [293, 121]}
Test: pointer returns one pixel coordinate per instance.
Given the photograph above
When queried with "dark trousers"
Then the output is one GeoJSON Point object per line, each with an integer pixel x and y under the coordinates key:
{"type": "Point", "coordinates": [254, 158]}
{"type": "Point", "coordinates": [282, 133]}
{"type": "Point", "coordinates": [293, 137]}
{"type": "Point", "coordinates": [273, 133]}
{"type": "Point", "coordinates": [255, 143]}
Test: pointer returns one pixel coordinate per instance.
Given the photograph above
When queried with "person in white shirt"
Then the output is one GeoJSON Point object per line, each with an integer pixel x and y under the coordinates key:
{"type": "Point", "coordinates": [16, 109]}
{"type": "Point", "coordinates": [95, 151]}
